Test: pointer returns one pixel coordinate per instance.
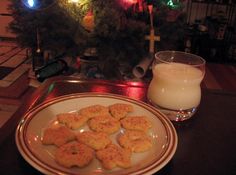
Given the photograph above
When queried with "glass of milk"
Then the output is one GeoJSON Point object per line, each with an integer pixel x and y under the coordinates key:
{"type": "Point", "coordinates": [175, 86]}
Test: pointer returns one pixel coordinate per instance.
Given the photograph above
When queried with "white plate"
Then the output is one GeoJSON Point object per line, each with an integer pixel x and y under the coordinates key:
{"type": "Point", "coordinates": [41, 157]}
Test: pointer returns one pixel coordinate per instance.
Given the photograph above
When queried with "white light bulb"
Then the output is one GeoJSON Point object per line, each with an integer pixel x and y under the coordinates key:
{"type": "Point", "coordinates": [31, 3]}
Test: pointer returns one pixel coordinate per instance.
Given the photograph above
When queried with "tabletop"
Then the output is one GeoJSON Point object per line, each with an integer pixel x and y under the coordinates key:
{"type": "Point", "coordinates": [206, 142]}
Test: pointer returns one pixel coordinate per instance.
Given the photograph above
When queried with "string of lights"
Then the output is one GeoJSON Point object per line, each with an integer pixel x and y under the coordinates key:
{"type": "Point", "coordinates": [116, 28]}
{"type": "Point", "coordinates": [39, 5]}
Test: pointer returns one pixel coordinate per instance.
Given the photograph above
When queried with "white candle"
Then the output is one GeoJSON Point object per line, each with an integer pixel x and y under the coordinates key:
{"type": "Point", "coordinates": [175, 86]}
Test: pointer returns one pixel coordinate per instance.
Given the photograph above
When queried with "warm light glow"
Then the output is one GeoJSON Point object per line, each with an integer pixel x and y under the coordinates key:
{"type": "Point", "coordinates": [88, 21]}
{"type": "Point", "coordinates": [75, 8]}
{"type": "Point", "coordinates": [98, 88]}
{"type": "Point", "coordinates": [135, 93]}
{"type": "Point", "coordinates": [131, 1]}
{"type": "Point", "coordinates": [128, 3]}
{"type": "Point", "coordinates": [73, 1]}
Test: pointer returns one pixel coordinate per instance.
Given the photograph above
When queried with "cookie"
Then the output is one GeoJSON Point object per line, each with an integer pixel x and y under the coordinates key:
{"type": "Point", "coordinates": [96, 140]}
{"type": "Point", "coordinates": [72, 120]}
{"type": "Point", "coordinates": [114, 156]}
{"type": "Point", "coordinates": [104, 123]}
{"type": "Point", "coordinates": [136, 123]}
{"type": "Point", "coordinates": [120, 110]}
{"type": "Point", "coordinates": [136, 141]}
{"type": "Point", "coordinates": [94, 110]}
{"type": "Point", "coordinates": [57, 135]}
{"type": "Point", "coordinates": [74, 154]}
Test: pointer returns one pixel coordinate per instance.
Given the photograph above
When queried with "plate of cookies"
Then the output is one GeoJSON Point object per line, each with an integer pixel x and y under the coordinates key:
{"type": "Point", "coordinates": [94, 133]}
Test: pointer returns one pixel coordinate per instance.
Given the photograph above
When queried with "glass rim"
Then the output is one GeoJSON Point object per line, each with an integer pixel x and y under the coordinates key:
{"type": "Point", "coordinates": [203, 61]}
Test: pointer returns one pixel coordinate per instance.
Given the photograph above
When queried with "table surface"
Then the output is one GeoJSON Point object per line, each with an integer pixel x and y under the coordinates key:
{"type": "Point", "coordinates": [206, 142]}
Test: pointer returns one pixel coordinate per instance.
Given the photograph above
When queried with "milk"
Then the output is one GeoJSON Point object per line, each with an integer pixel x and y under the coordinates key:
{"type": "Point", "coordinates": [175, 86]}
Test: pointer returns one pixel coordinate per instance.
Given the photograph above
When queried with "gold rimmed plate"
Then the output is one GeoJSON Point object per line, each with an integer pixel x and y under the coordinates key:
{"type": "Point", "coordinates": [29, 132]}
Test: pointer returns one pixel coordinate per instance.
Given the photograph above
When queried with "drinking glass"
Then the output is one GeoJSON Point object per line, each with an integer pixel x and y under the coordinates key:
{"type": "Point", "coordinates": [175, 86]}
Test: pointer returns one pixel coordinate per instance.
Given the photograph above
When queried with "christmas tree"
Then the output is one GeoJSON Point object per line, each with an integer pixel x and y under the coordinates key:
{"type": "Point", "coordinates": [116, 28]}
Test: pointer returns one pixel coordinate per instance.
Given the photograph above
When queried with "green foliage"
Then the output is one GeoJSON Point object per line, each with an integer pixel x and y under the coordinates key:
{"type": "Point", "coordinates": [55, 28]}
{"type": "Point", "coordinates": [118, 34]}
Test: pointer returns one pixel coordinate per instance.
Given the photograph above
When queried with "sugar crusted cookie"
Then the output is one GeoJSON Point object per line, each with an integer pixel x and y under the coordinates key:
{"type": "Point", "coordinates": [136, 123]}
{"type": "Point", "coordinates": [114, 156]}
{"type": "Point", "coordinates": [104, 123]}
{"type": "Point", "coordinates": [94, 110]}
{"type": "Point", "coordinates": [120, 110]}
{"type": "Point", "coordinates": [136, 141]}
{"type": "Point", "coordinates": [57, 135]}
{"type": "Point", "coordinates": [74, 154]}
{"type": "Point", "coordinates": [96, 140]}
{"type": "Point", "coordinates": [72, 120]}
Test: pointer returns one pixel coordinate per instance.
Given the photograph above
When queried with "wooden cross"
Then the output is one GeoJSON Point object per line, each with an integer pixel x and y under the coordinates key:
{"type": "Point", "coordinates": [151, 37]}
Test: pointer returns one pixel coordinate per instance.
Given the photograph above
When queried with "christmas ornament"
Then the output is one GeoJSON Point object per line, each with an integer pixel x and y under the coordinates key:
{"type": "Point", "coordinates": [88, 21]}
{"type": "Point", "coordinates": [116, 28]}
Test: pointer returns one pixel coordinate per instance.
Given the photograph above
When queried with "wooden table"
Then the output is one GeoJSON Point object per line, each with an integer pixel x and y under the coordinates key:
{"type": "Point", "coordinates": [206, 145]}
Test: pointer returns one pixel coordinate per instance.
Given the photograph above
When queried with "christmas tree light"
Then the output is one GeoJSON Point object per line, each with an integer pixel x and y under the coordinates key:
{"type": "Point", "coordinates": [117, 32]}
{"type": "Point", "coordinates": [173, 5]}
{"type": "Point", "coordinates": [38, 4]}
{"type": "Point", "coordinates": [127, 3]}
{"type": "Point", "coordinates": [74, 1]}
{"type": "Point", "coordinates": [30, 3]}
